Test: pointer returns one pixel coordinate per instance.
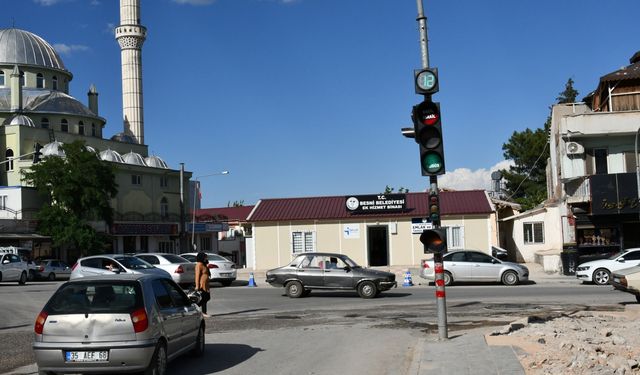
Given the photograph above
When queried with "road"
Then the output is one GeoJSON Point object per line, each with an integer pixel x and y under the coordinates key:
{"type": "Point", "coordinates": [253, 329]}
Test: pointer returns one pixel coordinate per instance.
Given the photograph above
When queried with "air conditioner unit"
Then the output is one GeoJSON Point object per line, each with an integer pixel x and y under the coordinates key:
{"type": "Point", "coordinates": [574, 148]}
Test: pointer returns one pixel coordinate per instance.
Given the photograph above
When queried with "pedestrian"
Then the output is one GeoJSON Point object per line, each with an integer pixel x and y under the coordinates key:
{"type": "Point", "coordinates": [202, 281]}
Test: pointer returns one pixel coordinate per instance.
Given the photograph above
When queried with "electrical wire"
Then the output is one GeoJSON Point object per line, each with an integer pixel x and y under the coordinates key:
{"type": "Point", "coordinates": [529, 173]}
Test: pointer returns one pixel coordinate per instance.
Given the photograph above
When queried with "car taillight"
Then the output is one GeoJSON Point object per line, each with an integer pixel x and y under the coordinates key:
{"type": "Point", "coordinates": [40, 268]}
{"type": "Point", "coordinates": [139, 320]}
{"type": "Point", "coordinates": [179, 269]}
{"type": "Point", "coordinates": [74, 266]}
{"type": "Point", "coordinates": [39, 326]}
{"type": "Point", "coordinates": [211, 265]}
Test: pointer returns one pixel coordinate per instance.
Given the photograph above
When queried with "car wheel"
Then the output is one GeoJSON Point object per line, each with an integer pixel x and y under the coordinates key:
{"type": "Point", "coordinates": [23, 278]}
{"type": "Point", "coordinates": [448, 279]}
{"type": "Point", "coordinates": [158, 364]}
{"type": "Point", "coordinates": [638, 298]}
{"type": "Point", "coordinates": [226, 283]}
{"type": "Point", "coordinates": [198, 350]}
{"type": "Point", "coordinates": [0, 276]}
{"type": "Point", "coordinates": [32, 275]}
{"type": "Point", "coordinates": [601, 276]}
{"type": "Point", "coordinates": [510, 278]}
{"type": "Point", "coordinates": [51, 277]}
{"type": "Point", "coordinates": [367, 289]}
{"type": "Point", "coordinates": [294, 289]}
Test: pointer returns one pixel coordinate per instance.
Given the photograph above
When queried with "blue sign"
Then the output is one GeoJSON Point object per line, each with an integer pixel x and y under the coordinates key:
{"type": "Point", "coordinates": [207, 227]}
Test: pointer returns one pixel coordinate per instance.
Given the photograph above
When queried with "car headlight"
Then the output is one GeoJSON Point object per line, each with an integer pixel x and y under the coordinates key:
{"type": "Point", "coordinates": [583, 268]}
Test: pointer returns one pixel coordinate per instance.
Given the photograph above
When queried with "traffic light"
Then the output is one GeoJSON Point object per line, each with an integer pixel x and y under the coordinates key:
{"type": "Point", "coordinates": [428, 135]}
{"type": "Point", "coordinates": [37, 155]}
{"type": "Point", "coordinates": [426, 81]}
{"type": "Point", "coordinates": [434, 240]}
{"type": "Point", "coordinates": [434, 209]}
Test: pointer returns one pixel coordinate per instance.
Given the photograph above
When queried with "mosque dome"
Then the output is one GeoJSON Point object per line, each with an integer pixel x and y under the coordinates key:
{"type": "Point", "coordinates": [124, 138]}
{"type": "Point", "coordinates": [110, 155]}
{"type": "Point", "coordinates": [53, 149]}
{"type": "Point", "coordinates": [25, 48]}
{"type": "Point", "coordinates": [133, 158]}
{"type": "Point", "coordinates": [19, 119]}
{"type": "Point", "coordinates": [156, 162]}
{"type": "Point", "coordinates": [91, 149]}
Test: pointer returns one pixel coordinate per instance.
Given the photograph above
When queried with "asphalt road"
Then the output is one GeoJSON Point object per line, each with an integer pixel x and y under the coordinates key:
{"type": "Point", "coordinates": [253, 329]}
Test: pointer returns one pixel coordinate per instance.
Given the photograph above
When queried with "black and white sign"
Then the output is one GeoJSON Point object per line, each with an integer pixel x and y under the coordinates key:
{"type": "Point", "coordinates": [375, 203]}
{"type": "Point", "coordinates": [418, 225]}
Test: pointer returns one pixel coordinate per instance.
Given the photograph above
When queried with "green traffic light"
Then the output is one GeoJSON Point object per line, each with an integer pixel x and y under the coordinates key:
{"type": "Point", "coordinates": [432, 162]}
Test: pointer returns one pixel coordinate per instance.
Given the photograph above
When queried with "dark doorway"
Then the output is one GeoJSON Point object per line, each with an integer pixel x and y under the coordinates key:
{"type": "Point", "coordinates": [378, 246]}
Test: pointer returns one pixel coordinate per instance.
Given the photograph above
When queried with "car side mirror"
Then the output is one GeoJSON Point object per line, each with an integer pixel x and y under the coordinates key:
{"type": "Point", "coordinates": [194, 298]}
{"type": "Point", "coordinates": [346, 268]}
{"type": "Point", "coordinates": [6, 261]}
{"type": "Point", "coordinates": [621, 260]}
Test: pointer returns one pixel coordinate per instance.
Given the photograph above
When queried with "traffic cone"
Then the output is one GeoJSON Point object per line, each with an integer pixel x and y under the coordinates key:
{"type": "Point", "coordinates": [407, 279]}
{"type": "Point", "coordinates": [252, 281]}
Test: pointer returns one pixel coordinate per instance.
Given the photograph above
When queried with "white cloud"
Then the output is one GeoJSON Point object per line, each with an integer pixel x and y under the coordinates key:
{"type": "Point", "coordinates": [194, 2]}
{"type": "Point", "coordinates": [466, 179]}
{"type": "Point", "coordinates": [110, 28]}
{"type": "Point", "coordinates": [66, 49]}
{"type": "Point", "coordinates": [46, 3]}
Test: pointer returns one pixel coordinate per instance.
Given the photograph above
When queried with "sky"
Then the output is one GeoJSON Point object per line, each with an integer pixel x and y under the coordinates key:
{"type": "Point", "coordinates": [299, 98]}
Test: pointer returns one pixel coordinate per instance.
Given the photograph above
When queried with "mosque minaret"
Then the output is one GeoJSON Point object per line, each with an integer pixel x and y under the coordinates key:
{"type": "Point", "coordinates": [131, 35]}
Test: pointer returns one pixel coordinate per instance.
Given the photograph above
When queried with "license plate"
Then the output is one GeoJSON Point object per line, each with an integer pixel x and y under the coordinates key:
{"type": "Point", "coordinates": [225, 274]}
{"type": "Point", "coordinates": [97, 356]}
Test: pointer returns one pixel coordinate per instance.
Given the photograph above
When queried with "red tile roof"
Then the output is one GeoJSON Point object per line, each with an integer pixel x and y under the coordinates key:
{"type": "Point", "coordinates": [327, 208]}
{"type": "Point", "coordinates": [225, 214]}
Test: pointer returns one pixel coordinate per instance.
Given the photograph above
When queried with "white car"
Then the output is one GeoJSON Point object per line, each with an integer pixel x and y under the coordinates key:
{"type": "Point", "coordinates": [111, 264]}
{"type": "Point", "coordinates": [599, 271]}
{"type": "Point", "coordinates": [182, 271]}
{"type": "Point", "coordinates": [13, 268]}
{"type": "Point", "coordinates": [222, 269]}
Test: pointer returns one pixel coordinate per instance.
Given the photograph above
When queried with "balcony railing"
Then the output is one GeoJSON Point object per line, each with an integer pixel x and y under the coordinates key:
{"type": "Point", "coordinates": [578, 191]}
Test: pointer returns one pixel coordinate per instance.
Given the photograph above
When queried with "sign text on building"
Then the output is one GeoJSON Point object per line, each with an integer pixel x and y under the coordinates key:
{"type": "Point", "coordinates": [376, 203]}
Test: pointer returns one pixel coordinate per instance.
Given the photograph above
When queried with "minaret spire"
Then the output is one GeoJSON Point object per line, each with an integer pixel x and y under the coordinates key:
{"type": "Point", "coordinates": [131, 35]}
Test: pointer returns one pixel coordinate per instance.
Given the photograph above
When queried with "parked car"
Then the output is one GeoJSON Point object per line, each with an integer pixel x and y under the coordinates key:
{"type": "Point", "coordinates": [222, 269]}
{"type": "Point", "coordinates": [627, 280]}
{"type": "Point", "coordinates": [52, 269]}
{"type": "Point", "coordinates": [116, 323]}
{"type": "Point", "coordinates": [309, 271]}
{"type": "Point", "coordinates": [599, 271]}
{"type": "Point", "coordinates": [13, 268]}
{"type": "Point", "coordinates": [476, 266]}
{"type": "Point", "coordinates": [25, 254]}
{"type": "Point", "coordinates": [110, 264]}
{"type": "Point", "coordinates": [182, 271]}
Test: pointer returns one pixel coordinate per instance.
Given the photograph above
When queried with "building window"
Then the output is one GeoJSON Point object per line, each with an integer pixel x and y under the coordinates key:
{"type": "Point", "coordinates": [164, 208]}
{"type": "Point", "coordinates": [533, 232]}
{"type": "Point", "coordinates": [39, 81]}
{"type": "Point", "coordinates": [164, 181]}
{"type": "Point", "coordinates": [303, 242]}
{"type": "Point", "coordinates": [64, 125]}
{"type": "Point", "coordinates": [9, 157]}
{"type": "Point", "coordinates": [205, 243]}
{"type": "Point", "coordinates": [3, 202]}
{"type": "Point", "coordinates": [54, 83]}
{"type": "Point", "coordinates": [22, 80]}
{"type": "Point", "coordinates": [1, 78]}
{"type": "Point", "coordinates": [136, 179]}
{"type": "Point", "coordinates": [93, 129]}
{"type": "Point", "coordinates": [80, 127]}
{"type": "Point", "coordinates": [455, 237]}
{"type": "Point", "coordinates": [165, 247]}
{"type": "Point", "coordinates": [44, 123]}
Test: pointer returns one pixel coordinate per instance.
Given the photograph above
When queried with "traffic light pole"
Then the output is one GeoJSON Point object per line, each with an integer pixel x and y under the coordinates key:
{"type": "Point", "coordinates": [441, 301]}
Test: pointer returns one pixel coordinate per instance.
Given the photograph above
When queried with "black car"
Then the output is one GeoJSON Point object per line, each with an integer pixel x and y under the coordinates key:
{"type": "Point", "coordinates": [310, 271]}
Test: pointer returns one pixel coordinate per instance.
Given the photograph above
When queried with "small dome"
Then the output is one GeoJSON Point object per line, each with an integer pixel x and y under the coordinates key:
{"type": "Point", "coordinates": [25, 48]}
{"type": "Point", "coordinates": [19, 120]}
{"type": "Point", "coordinates": [133, 158]}
{"type": "Point", "coordinates": [110, 155]}
{"type": "Point", "coordinates": [53, 149]}
{"type": "Point", "coordinates": [124, 138]}
{"type": "Point", "coordinates": [91, 149]}
{"type": "Point", "coordinates": [156, 162]}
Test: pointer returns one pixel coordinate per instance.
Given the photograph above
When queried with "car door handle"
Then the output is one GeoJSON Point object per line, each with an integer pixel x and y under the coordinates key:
{"type": "Point", "coordinates": [300, 270]}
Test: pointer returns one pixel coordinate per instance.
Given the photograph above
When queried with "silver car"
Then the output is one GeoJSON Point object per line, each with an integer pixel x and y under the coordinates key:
{"type": "Point", "coordinates": [476, 266]}
{"type": "Point", "coordinates": [51, 269]}
{"type": "Point", "coordinates": [117, 324]}
{"type": "Point", "coordinates": [13, 268]}
{"type": "Point", "coordinates": [113, 264]}
{"type": "Point", "coordinates": [222, 269]}
{"type": "Point", "coordinates": [182, 271]}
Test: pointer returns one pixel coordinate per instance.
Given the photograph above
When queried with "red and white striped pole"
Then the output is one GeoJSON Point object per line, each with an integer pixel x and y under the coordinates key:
{"type": "Point", "coordinates": [441, 300]}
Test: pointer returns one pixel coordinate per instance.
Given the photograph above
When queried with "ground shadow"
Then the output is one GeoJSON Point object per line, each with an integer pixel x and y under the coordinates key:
{"type": "Point", "coordinates": [350, 294]}
{"type": "Point", "coordinates": [217, 357]}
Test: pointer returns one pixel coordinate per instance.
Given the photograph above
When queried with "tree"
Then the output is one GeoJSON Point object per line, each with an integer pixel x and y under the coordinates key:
{"type": "Point", "coordinates": [389, 190]}
{"type": "Point", "coordinates": [235, 203]}
{"type": "Point", "coordinates": [526, 181]}
{"type": "Point", "coordinates": [77, 190]}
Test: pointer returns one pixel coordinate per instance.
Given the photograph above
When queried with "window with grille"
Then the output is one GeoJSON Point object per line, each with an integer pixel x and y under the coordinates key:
{"type": "Point", "coordinates": [164, 208]}
{"type": "Point", "coordinates": [303, 242]}
{"type": "Point", "coordinates": [455, 237]}
{"type": "Point", "coordinates": [136, 179]}
{"type": "Point", "coordinates": [3, 201]}
{"type": "Point", "coordinates": [205, 243]}
{"type": "Point", "coordinates": [533, 232]}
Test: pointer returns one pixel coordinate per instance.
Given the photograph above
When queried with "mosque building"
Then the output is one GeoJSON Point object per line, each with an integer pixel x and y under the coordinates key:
{"type": "Point", "coordinates": [36, 111]}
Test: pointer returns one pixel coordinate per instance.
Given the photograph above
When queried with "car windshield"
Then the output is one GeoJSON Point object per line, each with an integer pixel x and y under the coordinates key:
{"type": "Point", "coordinates": [615, 255]}
{"type": "Point", "coordinates": [134, 263]}
{"type": "Point", "coordinates": [174, 258]}
{"type": "Point", "coordinates": [95, 297]}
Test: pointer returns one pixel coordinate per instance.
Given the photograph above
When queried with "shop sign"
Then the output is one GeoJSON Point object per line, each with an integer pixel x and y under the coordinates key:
{"type": "Point", "coordinates": [207, 227]}
{"type": "Point", "coordinates": [418, 225]}
{"type": "Point", "coordinates": [375, 203]}
{"type": "Point", "coordinates": [614, 194]}
{"type": "Point", "coordinates": [144, 229]}
{"type": "Point", "coordinates": [351, 231]}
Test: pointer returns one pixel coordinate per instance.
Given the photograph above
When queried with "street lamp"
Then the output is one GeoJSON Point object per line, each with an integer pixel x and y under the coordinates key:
{"type": "Point", "coordinates": [196, 187]}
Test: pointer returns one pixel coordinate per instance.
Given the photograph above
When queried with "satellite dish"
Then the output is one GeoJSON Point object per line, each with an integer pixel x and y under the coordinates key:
{"type": "Point", "coordinates": [496, 175]}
